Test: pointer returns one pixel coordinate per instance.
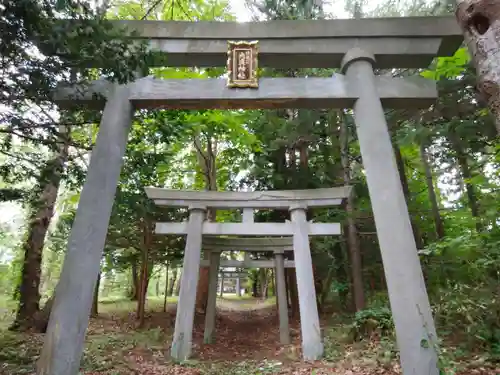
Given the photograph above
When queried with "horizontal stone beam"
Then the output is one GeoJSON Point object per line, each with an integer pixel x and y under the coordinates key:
{"type": "Point", "coordinates": [233, 275]}
{"type": "Point", "coordinates": [248, 263]}
{"type": "Point", "coordinates": [275, 249]}
{"type": "Point", "coordinates": [249, 229]}
{"type": "Point", "coordinates": [248, 244]}
{"type": "Point", "coordinates": [252, 242]}
{"type": "Point", "coordinates": [315, 92]}
{"type": "Point", "coordinates": [236, 247]}
{"type": "Point", "coordinates": [403, 42]}
{"type": "Point", "coordinates": [269, 199]}
{"type": "Point", "coordinates": [398, 27]}
{"type": "Point", "coordinates": [299, 53]}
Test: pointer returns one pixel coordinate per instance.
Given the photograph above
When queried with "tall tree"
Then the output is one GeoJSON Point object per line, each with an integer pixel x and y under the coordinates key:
{"type": "Point", "coordinates": [480, 23]}
{"type": "Point", "coordinates": [42, 210]}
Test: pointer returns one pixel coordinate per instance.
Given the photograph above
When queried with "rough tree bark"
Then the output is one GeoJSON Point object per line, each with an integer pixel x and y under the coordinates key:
{"type": "Point", "coordinates": [134, 287]}
{"type": "Point", "coordinates": [480, 24]}
{"type": "Point", "coordinates": [147, 228]}
{"type": "Point", "coordinates": [95, 303]}
{"type": "Point", "coordinates": [41, 214]}
{"type": "Point", "coordinates": [294, 294]}
{"type": "Point", "coordinates": [172, 282]}
{"type": "Point", "coordinates": [352, 232]}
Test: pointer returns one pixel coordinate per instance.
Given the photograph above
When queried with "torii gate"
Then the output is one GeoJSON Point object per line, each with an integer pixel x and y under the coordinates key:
{"type": "Point", "coordinates": [299, 229]}
{"type": "Point", "coordinates": [357, 47]}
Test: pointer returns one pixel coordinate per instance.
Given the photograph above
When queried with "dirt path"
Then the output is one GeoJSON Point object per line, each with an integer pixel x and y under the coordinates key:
{"type": "Point", "coordinates": [242, 334]}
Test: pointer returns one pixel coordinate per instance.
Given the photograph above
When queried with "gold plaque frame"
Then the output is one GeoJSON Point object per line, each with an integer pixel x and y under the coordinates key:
{"type": "Point", "coordinates": [242, 64]}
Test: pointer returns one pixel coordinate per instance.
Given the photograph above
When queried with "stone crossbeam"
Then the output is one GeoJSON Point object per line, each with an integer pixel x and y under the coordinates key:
{"type": "Point", "coordinates": [249, 229]}
{"type": "Point", "coordinates": [233, 275]}
{"type": "Point", "coordinates": [248, 244]}
{"type": "Point", "coordinates": [248, 263]}
{"type": "Point", "coordinates": [270, 199]}
{"type": "Point", "coordinates": [408, 42]}
{"type": "Point", "coordinates": [334, 92]}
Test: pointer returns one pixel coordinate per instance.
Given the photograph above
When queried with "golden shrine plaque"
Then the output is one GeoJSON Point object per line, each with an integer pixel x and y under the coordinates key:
{"type": "Point", "coordinates": [242, 64]}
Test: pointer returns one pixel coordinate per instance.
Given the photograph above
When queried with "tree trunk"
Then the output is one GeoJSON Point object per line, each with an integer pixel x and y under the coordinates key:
{"type": "Point", "coordinates": [147, 230]}
{"type": "Point", "coordinates": [221, 292]}
{"type": "Point", "coordinates": [166, 289]}
{"type": "Point", "coordinates": [287, 288]}
{"type": "Point", "coordinates": [202, 289]}
{"type": "Point", "coordinates": [43, 315]}
{"type": "Point", "coordinates": [178, 285]}
{"type": "Point", "coordinates": [134, 288]}
{"type": "Point", "coordinates": [339, 252]}
{"type": "Point", "coordinates": [264, 281]}
{"type": "Point", "coordinates": [438, 221]}
{"type": "Point", "coordinates": [143, 287]}
{"type": "Point", "coordinates": [42, 210]}
{"type": "Point", "coordinates": [294, 295]}
{"type": "Point", "coordinates": [95, 303]}
{"type": "Point", "coordinates": [406, 192]}
{"type": "Point", "coordinates": [466, 173]}
{"type": "Point", "coordinates": [480, 24]}
{"type": "Point", "coordinates": [272, 281]}
{"type": "Point", "coordinates": [255, 293]}
{"type": "Point", "coordinates": [318, 288]}
{"type": "Point", "coordinates": [352, 231]}
{"type": "Point", "coordinates": [172, 282]}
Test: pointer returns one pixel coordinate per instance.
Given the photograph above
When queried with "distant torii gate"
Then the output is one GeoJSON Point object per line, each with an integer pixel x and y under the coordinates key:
{"type": "Point", "coordinates": [297, 201]}
{"type": "Point", "coordinates": [357, 47]}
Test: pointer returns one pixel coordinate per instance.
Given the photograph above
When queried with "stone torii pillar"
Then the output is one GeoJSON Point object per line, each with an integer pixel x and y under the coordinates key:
{"type": "Point", "coordinates": [312, 345]}
{"type": "Point", "coordinates": [63, 345]}
{"type": "Point", "coordinates": [183, 333]}
{"type": "Point", "coordinates": [212, 297]}
{"type": "Point", "coordinates": [279, 262]}
{"type": "Point", "coordinates": [411, 311]}
{"type": "Point", "coordinates": [238, 286]}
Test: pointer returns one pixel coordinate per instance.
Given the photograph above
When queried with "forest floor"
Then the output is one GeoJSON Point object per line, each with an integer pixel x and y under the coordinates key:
{"type": "Point", "coordinates": [247, 342]}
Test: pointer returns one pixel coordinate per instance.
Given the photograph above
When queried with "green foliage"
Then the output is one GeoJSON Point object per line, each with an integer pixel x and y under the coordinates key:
{"type": "Point", "coordinates": [39, 52]}
{"type": "Point", "coordinates": [370, 322]}
{"type": "Point", "coordinates": [449, 67]}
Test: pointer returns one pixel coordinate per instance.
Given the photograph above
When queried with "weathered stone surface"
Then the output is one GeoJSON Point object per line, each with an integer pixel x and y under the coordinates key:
{"type": "Point", "coordinates": [409, 42]}
{"type": "Point", "coordinates": [480, 23]}
{"type": "Point", "coordinates": [282, 298]}
{"type": "Point", "coordinates": [411, 311]}
{"type": "Point", "coordinates": [261, 263]}
{"type": "Point", "coordinates": [313, 92]}
{"type": "Point", "coordinates": [248, 244]}
{"type": "Point", "coordinates": [312, 345]}
{"type": "Point", "coordinates": [270, 199]}
{"type": "Point", "coordinates": [250, 229]}
{"type": "Point", "coordinates": [212, 297]}
{"type": "Point", "coordinates": [69, 317]}
{"type": "Point", "coordinates": [183, 334]}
